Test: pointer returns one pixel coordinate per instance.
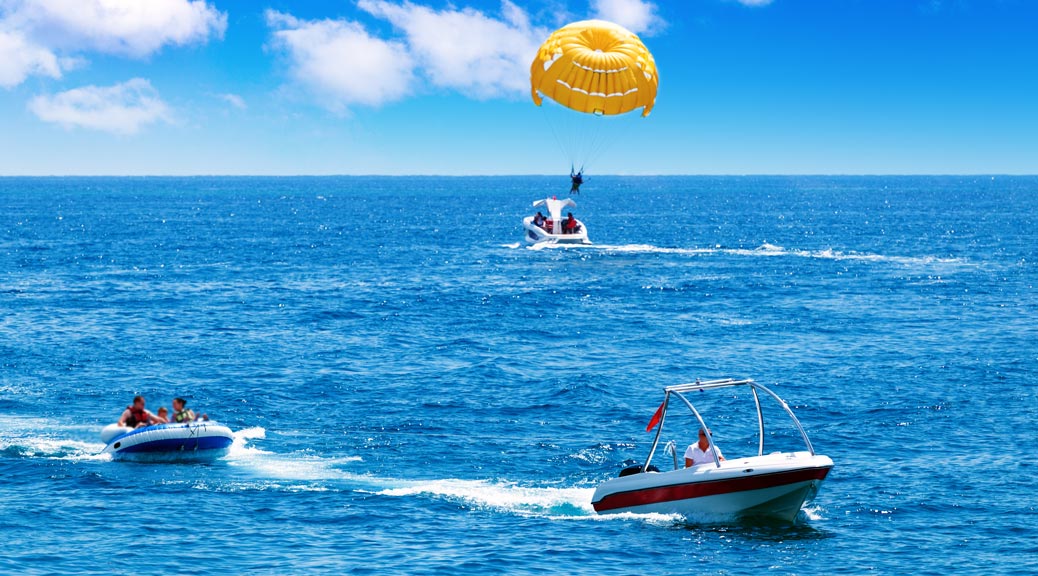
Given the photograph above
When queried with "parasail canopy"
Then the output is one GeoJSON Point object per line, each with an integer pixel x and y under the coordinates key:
{"type": "Point", "coordinates": [596, 67]}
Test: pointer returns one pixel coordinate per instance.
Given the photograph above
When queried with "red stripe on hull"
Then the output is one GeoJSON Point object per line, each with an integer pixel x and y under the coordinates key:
{"type": "Point", "coordinates": [692, 490]}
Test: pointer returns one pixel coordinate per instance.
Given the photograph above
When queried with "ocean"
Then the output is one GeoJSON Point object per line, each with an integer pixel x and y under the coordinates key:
{"type": "Point", "coordinates": [413, 390]}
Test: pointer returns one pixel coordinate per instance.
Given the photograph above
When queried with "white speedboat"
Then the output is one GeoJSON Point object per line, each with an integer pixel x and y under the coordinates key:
{"type": "Point", "coordinates": [188, 441]}
{"type": "Point", "coordinates": [774, 485]}
{"type": "Point", "coordinates": [553, 229]}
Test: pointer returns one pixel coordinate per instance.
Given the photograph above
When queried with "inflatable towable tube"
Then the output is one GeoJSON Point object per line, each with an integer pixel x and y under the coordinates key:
{"type": "Point", "coordinates": [206, 440]}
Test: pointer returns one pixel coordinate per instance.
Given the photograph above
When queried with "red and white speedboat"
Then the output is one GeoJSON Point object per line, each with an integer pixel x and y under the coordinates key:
{"type": "Point", "coordinates": [774, 485]}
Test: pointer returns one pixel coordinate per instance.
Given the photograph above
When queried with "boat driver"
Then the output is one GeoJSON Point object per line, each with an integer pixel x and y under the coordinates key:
{"type": "Point", "coordinates": [136, 416]}
{"type": "Point", "coordinates": [701, 452]}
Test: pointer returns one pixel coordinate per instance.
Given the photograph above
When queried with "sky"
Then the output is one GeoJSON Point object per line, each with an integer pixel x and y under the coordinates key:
{"type": "Point", "coordinates": [396, 87]}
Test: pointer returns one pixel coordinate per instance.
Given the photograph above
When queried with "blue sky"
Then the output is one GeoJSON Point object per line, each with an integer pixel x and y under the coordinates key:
{"type": "Point", "coordinates": [432, 87]}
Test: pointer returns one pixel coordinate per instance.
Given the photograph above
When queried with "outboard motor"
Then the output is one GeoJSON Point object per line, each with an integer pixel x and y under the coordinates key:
{"type": "Point", "coordinates": [637, 469]}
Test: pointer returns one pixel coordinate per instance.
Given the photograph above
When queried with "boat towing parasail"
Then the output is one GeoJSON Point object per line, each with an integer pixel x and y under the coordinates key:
{"type": "Point", "coordinates": [553, 228]}
{"type": "Point", "coordinates": [774, 485]}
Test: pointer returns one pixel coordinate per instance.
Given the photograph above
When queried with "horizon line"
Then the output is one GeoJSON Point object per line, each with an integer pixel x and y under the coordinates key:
{"type": "Point", "coordinates": [552, 175]}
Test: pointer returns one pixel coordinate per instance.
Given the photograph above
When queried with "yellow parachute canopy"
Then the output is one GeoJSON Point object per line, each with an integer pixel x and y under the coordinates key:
{"type": "Point", "coordinates": [596, 67]}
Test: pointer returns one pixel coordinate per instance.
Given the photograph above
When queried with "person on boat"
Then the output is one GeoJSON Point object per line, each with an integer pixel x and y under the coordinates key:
{"type": "Point", "coordinates": [576, 180]}
{"type": "Point", "coordinates": [701, 452]}
{"type": "Point", "coordinates": [163, 414]}
{"type": "Point", "coordinates": [136, 416]}
{"type": "Point", "coordinates": [569, 225]}
{"type": "Point", "coordinates": [539, 220]}
{"type": "Point", "coordinates": [180, 411]}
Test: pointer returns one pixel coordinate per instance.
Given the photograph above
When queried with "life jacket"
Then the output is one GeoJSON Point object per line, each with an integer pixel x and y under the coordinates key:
{"type": "Point", "coordinates": [184, 415]}
{"type": "Point", "coordinates": [137, 416]}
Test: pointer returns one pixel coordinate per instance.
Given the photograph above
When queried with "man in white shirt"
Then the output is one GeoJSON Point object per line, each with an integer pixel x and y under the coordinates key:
{"type": "Point", "coordinates": [701, 452]}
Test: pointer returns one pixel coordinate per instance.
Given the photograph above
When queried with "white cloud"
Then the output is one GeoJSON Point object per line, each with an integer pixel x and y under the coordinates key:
{"type": "Point", "coordinates": [120, 109]}
{"type": "Point", "coordinates": [19, 58]}
{"type": "Point", "coordinates": [466, 50]}
{"type": "Point", "coordinates": [234, 100]}
{"type": "Point", "coordinates": [133, 28]}
{"type": "Point", "coordinates": [635, 15]}
{"type": "Point", "coordinates": [44, 37]}
{"type": "Point", "coordinates": [341, 62]}
{"type": "Point", "coordinates": [754, 2]}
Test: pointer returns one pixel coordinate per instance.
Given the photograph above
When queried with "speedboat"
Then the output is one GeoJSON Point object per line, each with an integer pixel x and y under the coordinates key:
{"type": "Point", "coordinates": [552, 231]}
{"type": "Point", "coordinates": [178, 442]}
{"type": "Point", "coordinates": [774, 485]}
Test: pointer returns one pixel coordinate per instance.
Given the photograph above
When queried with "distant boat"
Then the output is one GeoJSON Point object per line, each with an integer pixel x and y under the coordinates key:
{"type": "Point", "coordinates": [177, 442]}
{"type": "Point", "coordinates": [552, 229]}
{"type": "Point", "coordinates": [772, 485]}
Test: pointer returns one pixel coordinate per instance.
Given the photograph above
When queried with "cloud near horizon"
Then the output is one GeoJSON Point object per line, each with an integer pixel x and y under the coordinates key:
{"type": "Point", "coordinates": [119, 109]}
{"type": "Point", "coordinates": [340, 62]}
{"type": "Point", "coordinates": [44, 37]}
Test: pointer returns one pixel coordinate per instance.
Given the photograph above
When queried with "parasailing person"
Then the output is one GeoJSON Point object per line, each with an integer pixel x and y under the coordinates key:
{"type": "Point", "coordinates": [592, 69]}
{"type": "Point", "coordinates": [576, 180]}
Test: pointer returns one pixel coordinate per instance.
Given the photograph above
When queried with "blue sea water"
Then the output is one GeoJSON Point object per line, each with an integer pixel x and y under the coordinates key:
{"type": "Point", "coordinates": [414, 391]}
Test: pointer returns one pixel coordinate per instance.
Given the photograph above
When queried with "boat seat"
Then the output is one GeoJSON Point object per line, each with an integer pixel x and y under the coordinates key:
{"type": "Point", "coordinates": [637, 469]}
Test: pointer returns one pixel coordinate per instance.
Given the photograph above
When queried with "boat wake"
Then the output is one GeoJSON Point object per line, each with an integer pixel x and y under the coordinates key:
{"type": "Point", "coordinates": [553, 503]}
{"type": "Point", "coordinates": [52, 448]}
{"type": "Point", "coordinates": [502, 496]}
{"type": "Point", "coordinates": [27, 437]}
{"type": "Point", "coordinates": [765, 250]}
{"type": "Point", "coordinates": [294, 466]}
{"type": "Point", "coordinates": [307, 470]}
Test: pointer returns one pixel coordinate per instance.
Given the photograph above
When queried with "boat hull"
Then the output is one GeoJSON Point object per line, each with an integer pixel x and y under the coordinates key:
{"type": "Point", "coordinates": [535, 234]}
{"type": "Point", "coordinates": [191, 441]}
{"type": "Point", "coordinates": [772, 486]}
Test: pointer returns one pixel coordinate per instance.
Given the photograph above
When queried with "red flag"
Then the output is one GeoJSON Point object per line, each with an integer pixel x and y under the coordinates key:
{"type": "Point", "coordinates": [656, 417]}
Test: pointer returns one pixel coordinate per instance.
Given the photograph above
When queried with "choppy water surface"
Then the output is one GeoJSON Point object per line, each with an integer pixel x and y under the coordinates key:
{"type": "Point", "coordinates": [414, 391]}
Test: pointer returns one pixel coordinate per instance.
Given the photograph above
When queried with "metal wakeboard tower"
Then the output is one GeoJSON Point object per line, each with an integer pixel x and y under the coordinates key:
{"type": "Point", "coordinates": [680, 390]}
